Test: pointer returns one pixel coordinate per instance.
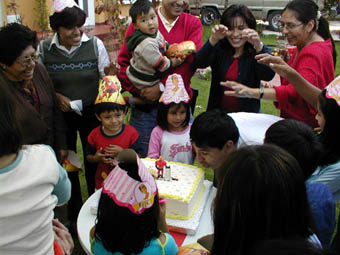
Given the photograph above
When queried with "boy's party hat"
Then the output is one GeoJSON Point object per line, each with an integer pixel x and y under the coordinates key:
{"type": "Point", "coordinates": [333, 90]}
{"type": "Point", "coordinates": [60, 5]}
{"type": "Point", "coordinates": [174, 90]}
{"type": "Point", "coordinates": [109, 91]}
{"type": "Point", "coordinates": [125, 190]}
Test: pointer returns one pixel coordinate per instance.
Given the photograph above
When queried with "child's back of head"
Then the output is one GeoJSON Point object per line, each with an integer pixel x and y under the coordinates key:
{"type": "Point", "coordinates": [300, 140]}
{"type": "Point", "coordinates": [127, 226]}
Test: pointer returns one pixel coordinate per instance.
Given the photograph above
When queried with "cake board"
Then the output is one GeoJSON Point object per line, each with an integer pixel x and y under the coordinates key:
{"type": "Point", "coordinates": [190, 226]}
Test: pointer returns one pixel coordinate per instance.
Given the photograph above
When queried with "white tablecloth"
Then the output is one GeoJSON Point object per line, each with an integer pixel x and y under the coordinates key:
{"type": "Point", "coordinates": [86, 221]}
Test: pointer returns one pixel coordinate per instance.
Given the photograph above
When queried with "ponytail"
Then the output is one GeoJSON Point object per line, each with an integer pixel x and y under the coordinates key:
{"type": "Point", "coordinates": [323, 31]}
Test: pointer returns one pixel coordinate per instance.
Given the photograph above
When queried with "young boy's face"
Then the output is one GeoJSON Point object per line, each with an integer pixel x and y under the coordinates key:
{"type": "Point", "coordinates": [147, 22]}
{"type": "Point", "coordinates": [112, 121]}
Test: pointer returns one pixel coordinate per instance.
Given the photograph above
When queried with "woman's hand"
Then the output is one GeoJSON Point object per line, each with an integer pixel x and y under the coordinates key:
{"type": "Point", "coordinates": [253, 38]}
{"type": "Point", "coordinates": [218, 32]}
{"type": "Point", "coordinates": [276, 63]}
{"type": "Point", "coordinates": [112, 69]}
{"type": "Point", "coordinates": [238, 90]}
{"type": "Point", "coordinates": [63, 237]}
{"type": "Point", "coordinates": [64, 102]}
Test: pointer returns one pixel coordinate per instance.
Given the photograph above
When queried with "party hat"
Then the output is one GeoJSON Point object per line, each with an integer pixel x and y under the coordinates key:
{"type": "Point", "coordinates": [174, 90]}
{"type": "Point", "coordinates": [333, 90]}
{"type": "Point", "coordinates": [109, 91]}
{"type": "Point", "coordinates": [60, 5]}
{"type": "Point", "coordinates": [125, 190]}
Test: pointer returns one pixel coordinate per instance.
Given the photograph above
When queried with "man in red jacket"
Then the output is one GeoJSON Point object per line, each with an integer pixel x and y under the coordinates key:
{"type": "Point", "coordinates": [176, 26]}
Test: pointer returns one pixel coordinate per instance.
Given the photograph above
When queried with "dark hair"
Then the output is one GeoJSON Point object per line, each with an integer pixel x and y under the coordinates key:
{"type": "Point", "coordinates": [238, 10]}
{"type": "Point", "coordinates": [10, 134]}
{"type": "Point", "coordinates": [262, 195]}
{"type": "Point", "coordinates": [162, 114]}
{"type": "Point", "coordinates": [298, 246]}
{"type": "Point", "coordinates": [213, 129]}
{"type": "Point", "coordinates": [299, 140]}
{"type": "Point", "coordinates": [119, 229]}
{"type": "Point", "coordinates": [68, 18]}
{"type": "Point", "coordinates": [139, 7]}
{"type": "Point", "coordinates": [14, 39]}
{"type": "Point", "coordinates": [329, 134]}
{"type": "Point", "coordinates": [108, 107]}
{"type": "Point", "coordinates": [307, 10]}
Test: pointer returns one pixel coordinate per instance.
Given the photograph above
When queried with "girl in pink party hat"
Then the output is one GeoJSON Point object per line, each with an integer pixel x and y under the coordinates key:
{"type": "Point", "coordinates": [170, 138]}
{"type": "Point", "coordinates": [130, 219]}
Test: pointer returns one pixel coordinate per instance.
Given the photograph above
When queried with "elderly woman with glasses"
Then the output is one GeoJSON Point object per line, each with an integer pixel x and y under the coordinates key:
{"type": "Point", "coordinates": [31, 89]}
{"type": "Point", "coordinates": [314, 58]}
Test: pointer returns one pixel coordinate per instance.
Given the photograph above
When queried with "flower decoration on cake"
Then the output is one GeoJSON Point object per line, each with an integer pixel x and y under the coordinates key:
{"type": "Point", "coordinates": [126, 191]}
{"type": "Point", "coordinates": [333, 90]}
{"type": "Point", "coordinates": [174, 90]}
{"type": "Point", "coordinates": [60, 5]}
{"type": "Point", "coordinates": [109, 91]}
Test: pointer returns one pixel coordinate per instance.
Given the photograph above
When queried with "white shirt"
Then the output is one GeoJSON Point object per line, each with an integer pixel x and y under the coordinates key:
{"type": "Point", "coordinates": [103, 56]}
{"type": "Point", "coordinates": [168, 26]}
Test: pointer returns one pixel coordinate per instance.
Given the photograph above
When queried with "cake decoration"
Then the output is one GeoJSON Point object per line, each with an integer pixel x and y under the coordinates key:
{"type": "Point", "coordinates": [183, 192]}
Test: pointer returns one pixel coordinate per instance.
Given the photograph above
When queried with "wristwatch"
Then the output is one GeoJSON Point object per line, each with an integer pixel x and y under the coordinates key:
{"type": "Point", "coordinates": [261, 91]}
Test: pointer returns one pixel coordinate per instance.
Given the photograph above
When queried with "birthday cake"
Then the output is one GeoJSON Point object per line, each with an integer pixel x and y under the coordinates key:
{"type": "Point", "coordinates": [183, 191]}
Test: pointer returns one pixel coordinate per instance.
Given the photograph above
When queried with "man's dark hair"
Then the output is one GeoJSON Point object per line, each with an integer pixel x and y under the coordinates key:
{"type": "Point", "coordinates": [213, 129]}
{"type": "Point", "coordinates": [68, 18]}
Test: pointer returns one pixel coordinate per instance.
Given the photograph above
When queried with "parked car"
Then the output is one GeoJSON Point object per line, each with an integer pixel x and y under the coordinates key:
{"type": "Point", "coordinates": [211, 10]}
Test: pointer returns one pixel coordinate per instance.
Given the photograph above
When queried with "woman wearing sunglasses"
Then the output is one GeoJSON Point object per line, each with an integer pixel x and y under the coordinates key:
{"type": "Point", "coordinates": [314, 58]}
{"type": "Point", "coordinates": [31, 89]}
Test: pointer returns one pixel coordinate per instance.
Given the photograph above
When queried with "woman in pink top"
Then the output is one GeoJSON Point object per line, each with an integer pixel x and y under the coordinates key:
{"type": "Point", "coordinates": [314, 58]}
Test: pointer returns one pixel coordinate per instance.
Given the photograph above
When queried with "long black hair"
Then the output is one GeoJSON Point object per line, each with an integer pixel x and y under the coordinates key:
{"type": "Point", "coordinates": [262, 195]}
{"type": "Point", "coordinates": [307, 10]}
{"type": "Point", "coordinates": [330, 132]}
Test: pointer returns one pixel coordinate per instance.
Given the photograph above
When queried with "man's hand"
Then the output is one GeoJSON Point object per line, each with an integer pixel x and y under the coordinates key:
{"type": "Point", "coordinates": [64, 102]}
{"type": "Point", "coordinates": [112, 69]}
{"type": "Point", "coordinates": [151, 93]}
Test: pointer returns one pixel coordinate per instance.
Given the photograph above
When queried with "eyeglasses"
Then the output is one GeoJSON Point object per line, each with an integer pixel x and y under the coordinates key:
{"type": "Point", "coordinates": [289, 26]}
{"type": "Point", "coordinates": [27, 60]}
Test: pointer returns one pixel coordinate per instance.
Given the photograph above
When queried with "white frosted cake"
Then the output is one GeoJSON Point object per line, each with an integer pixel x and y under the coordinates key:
{"type": "Point", "coordinates": [183, 192]}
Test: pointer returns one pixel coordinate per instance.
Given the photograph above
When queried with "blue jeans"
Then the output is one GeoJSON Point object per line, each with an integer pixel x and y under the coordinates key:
{"type": "Point", "coordinates": [144, 122]}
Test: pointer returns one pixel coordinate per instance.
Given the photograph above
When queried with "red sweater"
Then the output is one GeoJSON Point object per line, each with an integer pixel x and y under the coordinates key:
{"type": "Point", "coordinates": [187, 27]}
{"type": "Point", "coordinates": [315, 64]}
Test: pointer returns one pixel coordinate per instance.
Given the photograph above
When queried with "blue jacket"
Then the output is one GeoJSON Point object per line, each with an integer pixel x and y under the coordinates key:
{"type": "Point", "coordinates": [250, 73]}
{"type": "Point", "coordinates": [323, 205]}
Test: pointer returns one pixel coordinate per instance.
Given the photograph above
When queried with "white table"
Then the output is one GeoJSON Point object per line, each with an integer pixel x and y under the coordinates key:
{"type": "Point", "coordinates": [86, 221]}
